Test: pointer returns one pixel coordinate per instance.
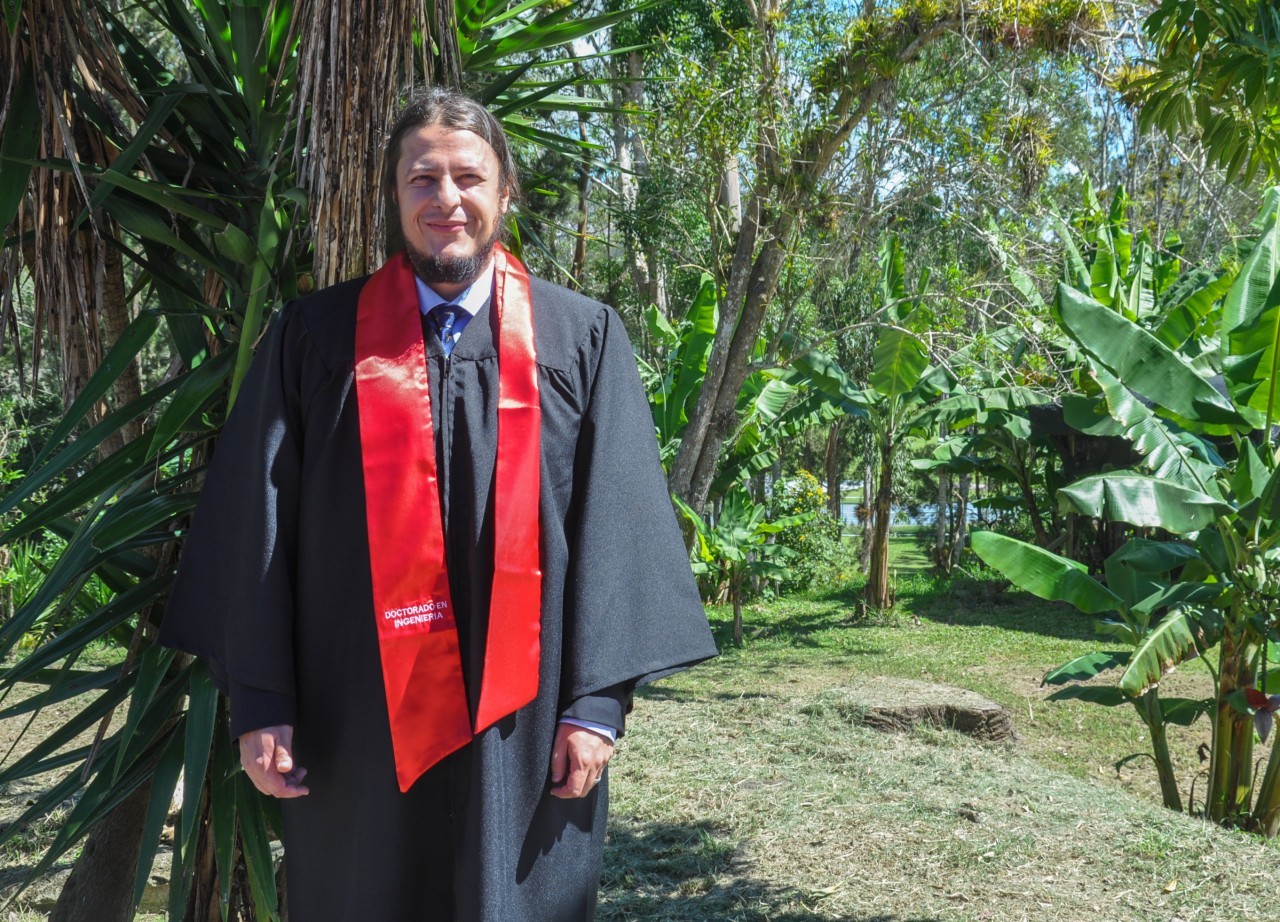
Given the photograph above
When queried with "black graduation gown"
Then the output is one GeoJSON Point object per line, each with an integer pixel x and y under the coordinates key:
{"type": "Point", "coordinates": [274, 589]}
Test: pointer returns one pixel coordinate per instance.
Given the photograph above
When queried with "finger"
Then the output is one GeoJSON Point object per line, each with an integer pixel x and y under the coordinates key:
{"type": "Point", "coordinates": [283, 759]}
{"type": "Point", "coordinates": [263, 750]}
{"type": "Point", "coordinates": [274, 784]}
{"type": "Point", "coordinates": [559, 756]}
{"type": "Point", "coordinates": [578, 782]}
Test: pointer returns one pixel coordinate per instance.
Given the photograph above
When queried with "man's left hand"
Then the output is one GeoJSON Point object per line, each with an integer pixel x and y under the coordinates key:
{"type": "Point", "coordinates": [578, 759]}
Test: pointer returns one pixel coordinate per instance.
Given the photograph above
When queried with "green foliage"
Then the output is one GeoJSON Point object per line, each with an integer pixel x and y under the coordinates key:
{"type": "Point", "coordinates": [1224, 580]}
{"type": "Point", "coordinates": [735, 547]}
{"type": "Point", "coordinates": [1214, 70]}
{"type": "Point", "coordinates": [814, 542]}
{"type": "Point", "coordinates": [203, 187]}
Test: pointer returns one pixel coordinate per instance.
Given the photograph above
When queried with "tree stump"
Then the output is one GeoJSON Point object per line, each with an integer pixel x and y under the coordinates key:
{"type": "Point", "coordinates": [898, 705]}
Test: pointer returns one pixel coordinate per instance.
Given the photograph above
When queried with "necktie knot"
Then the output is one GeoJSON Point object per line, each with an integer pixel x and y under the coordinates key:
{"type": "Point", "coordinates": [448, 321]}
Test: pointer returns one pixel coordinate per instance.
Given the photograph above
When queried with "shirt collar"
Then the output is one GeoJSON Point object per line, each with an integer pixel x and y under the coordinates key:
{"type": "Point", "coordinates": [469, 301]}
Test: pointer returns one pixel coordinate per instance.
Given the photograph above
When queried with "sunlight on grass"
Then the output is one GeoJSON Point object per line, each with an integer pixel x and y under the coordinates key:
{"type": "Point", "coordinates": [737, 795]}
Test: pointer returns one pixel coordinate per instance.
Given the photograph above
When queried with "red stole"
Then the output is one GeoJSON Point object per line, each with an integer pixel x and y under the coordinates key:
{"type": "Point", "coordinates": [417, 634]}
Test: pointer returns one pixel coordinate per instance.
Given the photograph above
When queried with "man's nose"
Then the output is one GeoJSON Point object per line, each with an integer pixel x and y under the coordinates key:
{"type": "Point", "coordinates": [447, 192]}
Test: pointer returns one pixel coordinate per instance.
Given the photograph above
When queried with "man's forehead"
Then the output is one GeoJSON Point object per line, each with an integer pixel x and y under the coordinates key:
{"type": "Point", "coordinates": [433, 143]}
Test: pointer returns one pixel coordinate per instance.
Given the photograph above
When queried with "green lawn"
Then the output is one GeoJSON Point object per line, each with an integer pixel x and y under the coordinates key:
{"type": "Point", "coordinates": [744, 789]}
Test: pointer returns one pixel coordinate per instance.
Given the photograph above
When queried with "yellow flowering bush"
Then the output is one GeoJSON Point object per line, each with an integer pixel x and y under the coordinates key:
{"type": "Point", "coordinates": [815, 543]}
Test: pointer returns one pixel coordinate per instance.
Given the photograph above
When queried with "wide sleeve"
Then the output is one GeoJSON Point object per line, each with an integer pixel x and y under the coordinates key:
{"type": "Point", "coordinates": [232, 601]}
{"type": "Point", "coordinates": [633, 610]}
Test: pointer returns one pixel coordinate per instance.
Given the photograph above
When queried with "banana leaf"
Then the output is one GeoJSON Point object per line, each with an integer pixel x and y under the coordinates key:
{"type": "Point", "coordinates": [1140, 500]}
{"type": "Point", "coordinates": [1180, 636]}
{"type": "Point", "coordinates": [1044, 574]}
{"type": "Point", "coordinates": [1142, 362]}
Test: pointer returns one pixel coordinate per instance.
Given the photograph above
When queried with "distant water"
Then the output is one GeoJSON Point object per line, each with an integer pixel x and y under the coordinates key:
{"type": "Point", "coordinates": [922, 514]}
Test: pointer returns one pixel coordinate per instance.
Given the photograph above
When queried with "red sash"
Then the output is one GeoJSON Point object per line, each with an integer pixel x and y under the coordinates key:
{"type": "Point", "coordinates": [417, 634]}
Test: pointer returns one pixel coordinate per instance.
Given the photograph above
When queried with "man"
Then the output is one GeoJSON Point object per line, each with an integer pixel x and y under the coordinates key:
{"type": "Point", "coordinates": [433, 557]}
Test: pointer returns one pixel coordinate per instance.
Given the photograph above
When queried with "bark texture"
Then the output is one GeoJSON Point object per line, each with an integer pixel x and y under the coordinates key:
{"type": "Point", "coordinates": [100, 888]}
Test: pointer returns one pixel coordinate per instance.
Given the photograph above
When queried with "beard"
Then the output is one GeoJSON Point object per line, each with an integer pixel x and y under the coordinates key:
{"type": "Point", "coordinates": [453, 270]}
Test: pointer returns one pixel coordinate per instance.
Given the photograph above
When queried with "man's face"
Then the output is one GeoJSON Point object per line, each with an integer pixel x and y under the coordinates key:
{"type": "Point", "coordinates": [448, 190]}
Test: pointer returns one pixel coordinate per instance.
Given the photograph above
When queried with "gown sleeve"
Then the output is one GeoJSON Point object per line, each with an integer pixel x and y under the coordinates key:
{"type": "Point", "coordinates": [232, 601]}
{"type": "Point", "coordinates": [633, 614]}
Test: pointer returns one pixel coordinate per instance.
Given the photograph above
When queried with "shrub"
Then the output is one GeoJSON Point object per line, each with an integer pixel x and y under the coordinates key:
{"type": "Point", "coordinates": [815, 544]}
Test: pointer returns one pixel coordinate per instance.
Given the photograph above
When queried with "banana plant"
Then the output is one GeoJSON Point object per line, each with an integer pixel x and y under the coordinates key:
{"type": "Point", "coordinates": [905, 384]}
{"type": "Point", "coordinates": [992, 432]}
{"type": "Point", "coordinates": [734, 547]}
{"type": "Point", "coordinates": [1156, 621]}
{"type": "Point", "coordinates": [1226, 512]}
{"type": "Point", "coordinates": [674, 380]}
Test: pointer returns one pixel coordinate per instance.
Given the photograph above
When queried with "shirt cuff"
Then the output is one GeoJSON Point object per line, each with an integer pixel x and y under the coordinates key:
{"type": "Point", "coordinates": [611, 733]}
{"type": "Point", "coordinates": [605, 708]}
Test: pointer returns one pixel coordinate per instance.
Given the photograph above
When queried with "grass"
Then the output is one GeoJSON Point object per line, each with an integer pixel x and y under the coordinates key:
{"type": "Point", "coordinates": [744, 792]}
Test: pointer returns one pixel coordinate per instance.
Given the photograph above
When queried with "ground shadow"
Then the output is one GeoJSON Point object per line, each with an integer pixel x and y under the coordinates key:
{"type": "Point", "coordinates": [669, 872]}
{"type": "Point", "coordinates": [954, 600]}
{"type": "Point", "coordinates": [664, 692]}
{"type": "Point", "coordinates": [16, 883]}
{"type": "Point", "coordinates": [994, 603]}
{"type": "Point", "coordinates": [802, 629]}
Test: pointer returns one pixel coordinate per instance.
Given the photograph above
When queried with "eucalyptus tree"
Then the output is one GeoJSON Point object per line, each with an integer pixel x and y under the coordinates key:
{"type": "Point", "coordinates": [802, 118]}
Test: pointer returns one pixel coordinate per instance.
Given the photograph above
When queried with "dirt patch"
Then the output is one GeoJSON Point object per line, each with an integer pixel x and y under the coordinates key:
{"type": "Point", "coordinates": [899, 705]}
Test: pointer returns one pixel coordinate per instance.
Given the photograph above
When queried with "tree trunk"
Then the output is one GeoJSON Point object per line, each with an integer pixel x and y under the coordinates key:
{"type": "Point", "coordinates": [729, 195]}
{"type": "Point", "coordinates": [832, 468]}
{"type": "Point", "coordinates": [1153, 717]}
{"type": "Point", "coordinates": [735, 591]}
{"type": "Point", "coordinates": [962, 522]}
{"type": "Point", "coordinates": [879, 594]}
{"type": "Point", "coordinates": [941, 547]}
{"type": "Point", "coordinates": [1266, 811]}
{"type": "Point", "coordinates": [716, 411]}
{"type": "Point", "coordinates": [865, 516]}
{"type": "Point", "coordinates": [1231, 756]}
{"type": "Point", "coordinates": [1022, 475]}
{"type": "Point", "coordinates": [633, 165]}
{"type": "Point", "coordinates": [579, 272]}
{"type": "Point", "coordinates": [202, 903]}
{"type": "Point", "coordinates": [100, 888]}
{"type": "Point", "coordinates": [114, 309]}
{"type": "Point", "coordinates": [354, 56]}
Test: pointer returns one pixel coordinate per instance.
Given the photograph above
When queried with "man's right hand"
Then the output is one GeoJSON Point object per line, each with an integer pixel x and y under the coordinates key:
{"type": "Point", "coordinates": [267, 757]}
